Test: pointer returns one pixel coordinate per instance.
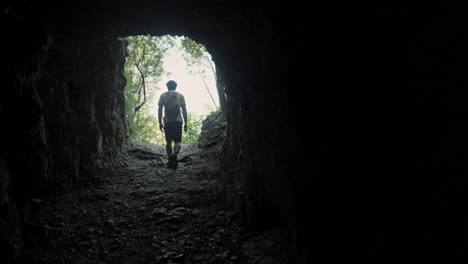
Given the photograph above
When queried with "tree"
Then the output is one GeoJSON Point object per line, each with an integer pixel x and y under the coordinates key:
{"type": "Point", "coordinates": [196, 56]}
{"type": "Point", "coordinates": [143, 69]}
{"type": "Point", "coordinates": [144, 60]}
{"type": "Point", "coordinates": [194, 127]}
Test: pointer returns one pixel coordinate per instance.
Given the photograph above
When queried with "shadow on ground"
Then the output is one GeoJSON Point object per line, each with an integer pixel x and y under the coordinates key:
{"type": "Point", "coordinates": [145, 213]}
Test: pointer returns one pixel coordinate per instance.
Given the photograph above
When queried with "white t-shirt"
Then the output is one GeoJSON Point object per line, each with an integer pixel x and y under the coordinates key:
{"type": "Point", "coordinates": [163, 101]}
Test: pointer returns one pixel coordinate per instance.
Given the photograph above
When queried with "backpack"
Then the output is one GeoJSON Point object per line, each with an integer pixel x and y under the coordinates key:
{"type": "Point", "coordinates": [172, 106]}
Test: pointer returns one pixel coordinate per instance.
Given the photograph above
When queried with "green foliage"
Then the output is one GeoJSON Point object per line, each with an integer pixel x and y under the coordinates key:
{"type": "Point", "coordinates": [196, 56]}
{"type": "Point", "coordinates": [143, 69]}
{"type": "Point", "coordinates": [194, 127]}
{"type": "Point", "coordinates": [194, 49]}
{"type": "Point", "coordinates": [145, 54]}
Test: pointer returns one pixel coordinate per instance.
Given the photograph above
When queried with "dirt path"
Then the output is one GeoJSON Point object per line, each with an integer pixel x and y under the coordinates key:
{"type": "Point", "coordinates": [145, 213]}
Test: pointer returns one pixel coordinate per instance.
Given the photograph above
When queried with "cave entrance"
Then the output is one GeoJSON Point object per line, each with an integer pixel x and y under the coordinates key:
{"type": "Point", "coordinates": [150, 63]}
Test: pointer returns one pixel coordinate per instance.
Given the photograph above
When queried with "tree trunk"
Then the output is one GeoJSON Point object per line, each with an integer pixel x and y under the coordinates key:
{"type": "Point", "coordinates": [221, 92]}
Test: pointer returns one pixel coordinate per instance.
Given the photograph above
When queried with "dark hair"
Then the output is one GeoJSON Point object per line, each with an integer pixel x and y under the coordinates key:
{"type": "Point", "coordinates": [171, 85]}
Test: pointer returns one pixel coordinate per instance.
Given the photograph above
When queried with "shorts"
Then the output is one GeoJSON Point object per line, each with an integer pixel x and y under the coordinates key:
{"type": "Point", "coordinates": [173, 131]}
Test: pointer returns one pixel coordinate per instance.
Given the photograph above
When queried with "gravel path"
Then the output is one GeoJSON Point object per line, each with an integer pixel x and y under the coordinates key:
{"type": "Point", "coordinates": [146, 213]}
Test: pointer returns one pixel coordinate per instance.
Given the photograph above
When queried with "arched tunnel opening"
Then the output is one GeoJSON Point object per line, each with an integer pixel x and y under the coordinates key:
{"type": "Point", "coordinates": [62, 178]}
{"type": "Point", "coordinates": [151, 62]}
{"type": "Point", "coordinates": [344, 136]}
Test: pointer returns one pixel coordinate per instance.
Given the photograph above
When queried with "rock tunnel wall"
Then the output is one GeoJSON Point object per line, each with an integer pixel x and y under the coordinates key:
{"type": "Point", "coordinates": [65, 99]}
{"type": "Point", "coordinates": [62, 112]}
{"type": "Point", "coordinates": [380, 169]}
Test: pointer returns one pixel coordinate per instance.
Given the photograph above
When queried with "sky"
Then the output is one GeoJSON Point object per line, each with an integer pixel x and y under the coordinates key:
{"type": "Point", "coordinates": [196, 95]}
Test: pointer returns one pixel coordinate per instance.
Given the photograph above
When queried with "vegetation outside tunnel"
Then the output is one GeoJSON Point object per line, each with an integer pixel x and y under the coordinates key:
{"type": "Point", "coordinates": [144, 71]}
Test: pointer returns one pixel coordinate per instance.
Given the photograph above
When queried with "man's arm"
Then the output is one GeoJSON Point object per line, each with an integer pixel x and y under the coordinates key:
{"type": "Point", "coordinates": [161, 126]}
{"type": "Point", "coordinates": [184, 114]}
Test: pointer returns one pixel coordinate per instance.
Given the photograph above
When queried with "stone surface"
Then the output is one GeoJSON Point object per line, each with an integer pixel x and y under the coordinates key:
{"type": "Point", "coordinates": [143, 214]}
{"type": "Point", "coordinates": [345, 123]}
{"type": "Point", "coordinates": [64, 110]}
{"type": "Point", "coordinates": [213, 134]}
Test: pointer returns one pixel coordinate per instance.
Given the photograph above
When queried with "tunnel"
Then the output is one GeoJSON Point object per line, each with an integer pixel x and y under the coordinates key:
{"type": "Point", "coordinates": [346, 122]}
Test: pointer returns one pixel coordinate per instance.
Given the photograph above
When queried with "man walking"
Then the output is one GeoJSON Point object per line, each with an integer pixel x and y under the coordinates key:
{"type": "Point", "coordinates": [171, 125]}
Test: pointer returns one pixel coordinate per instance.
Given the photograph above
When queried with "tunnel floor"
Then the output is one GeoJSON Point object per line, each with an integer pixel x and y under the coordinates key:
{"type": "Point", "coordinates": [143, 212]}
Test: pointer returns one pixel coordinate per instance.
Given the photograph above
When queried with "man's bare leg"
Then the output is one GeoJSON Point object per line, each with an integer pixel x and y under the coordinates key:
{"type": "Point", "coordinates": [176, 148]}
{"type": "Point", "coordinates": [169, 148]}
{"type": "Point", "coordinates": [174, 155]}
{"type": "Point", "coordinates": [170, 162]}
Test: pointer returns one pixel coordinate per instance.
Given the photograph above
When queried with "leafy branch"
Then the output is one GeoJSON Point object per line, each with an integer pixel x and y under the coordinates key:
{"type": "Point", "coordinates": [197, 55]}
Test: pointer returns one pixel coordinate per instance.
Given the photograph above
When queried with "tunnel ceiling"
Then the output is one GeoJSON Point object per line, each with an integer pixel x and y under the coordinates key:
{"type": "Point", "coordinates": [381, 86]}
{"type": "Point", "coordinates": [65, 74]}
{"type": "Point", "coordinates": [215, 25]}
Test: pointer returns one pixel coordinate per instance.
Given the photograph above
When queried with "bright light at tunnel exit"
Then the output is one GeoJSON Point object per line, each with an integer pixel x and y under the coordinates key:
{"type": "Point", "coordinates": [191, 85]}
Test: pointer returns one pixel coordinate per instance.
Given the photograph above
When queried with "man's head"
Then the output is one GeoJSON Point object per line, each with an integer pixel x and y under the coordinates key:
{"type": "Point", "coordinates": [171, 85]}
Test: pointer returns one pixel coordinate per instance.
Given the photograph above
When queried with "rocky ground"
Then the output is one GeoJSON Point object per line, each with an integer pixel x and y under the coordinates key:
{"type": "Point", "coordinates": [143, 212]}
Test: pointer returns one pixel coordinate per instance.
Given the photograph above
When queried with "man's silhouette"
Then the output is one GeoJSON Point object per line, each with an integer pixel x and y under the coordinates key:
{"type": "Point", "coordinates": [171, 125]}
